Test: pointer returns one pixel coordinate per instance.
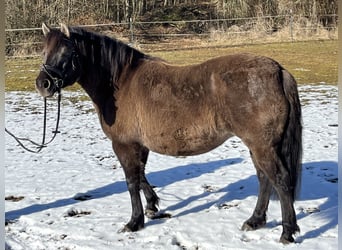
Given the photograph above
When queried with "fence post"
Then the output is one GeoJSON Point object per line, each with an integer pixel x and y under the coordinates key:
{"type": "Point", "coordinates": [131, 27]}
{"type": "Point", "coordinates": [291, 25]}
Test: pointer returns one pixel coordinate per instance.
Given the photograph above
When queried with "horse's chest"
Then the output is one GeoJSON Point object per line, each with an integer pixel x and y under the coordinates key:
{"type": "Point", "coordinates": [104, 121]}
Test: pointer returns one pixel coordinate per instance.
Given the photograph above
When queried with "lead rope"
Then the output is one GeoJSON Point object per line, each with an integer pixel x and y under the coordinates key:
{"type": "Point", "coordinates": [43, 144]}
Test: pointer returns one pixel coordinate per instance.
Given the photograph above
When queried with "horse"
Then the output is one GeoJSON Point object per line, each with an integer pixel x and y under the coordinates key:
{"type": "Point", "coordinates": [147, 104]}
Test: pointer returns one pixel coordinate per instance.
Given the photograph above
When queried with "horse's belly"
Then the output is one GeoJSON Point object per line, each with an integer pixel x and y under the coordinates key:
{"type": "Point", "coordinates": [181, 144]}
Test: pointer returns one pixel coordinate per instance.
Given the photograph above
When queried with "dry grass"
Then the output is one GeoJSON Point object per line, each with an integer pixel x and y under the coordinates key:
{"type": "Point", "coordinates": [262, 31]}
{"type": "Point", "coordinates": [310, 62]}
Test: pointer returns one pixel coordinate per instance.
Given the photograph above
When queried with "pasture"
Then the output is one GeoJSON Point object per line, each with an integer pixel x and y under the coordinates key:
{"type": "Point", "coordinates": [311, 62]}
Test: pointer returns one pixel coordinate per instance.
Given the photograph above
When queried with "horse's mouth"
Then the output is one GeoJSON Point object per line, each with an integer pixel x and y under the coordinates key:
{"type": "Point", "coordinates": [45, 88]}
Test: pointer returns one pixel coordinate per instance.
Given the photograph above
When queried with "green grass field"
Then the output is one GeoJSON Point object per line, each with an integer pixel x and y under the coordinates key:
{"type": "Point", "coordinates": [311, 62]}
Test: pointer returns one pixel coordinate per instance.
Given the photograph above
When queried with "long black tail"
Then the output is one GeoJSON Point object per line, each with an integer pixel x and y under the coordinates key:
{"type": "Point", "coordinates": [292, 140]}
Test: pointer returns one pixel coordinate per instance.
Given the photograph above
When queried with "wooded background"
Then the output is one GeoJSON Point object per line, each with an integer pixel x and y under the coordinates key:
{"type": "Point", "coordinates": [31, 13]}
{"type": "Point", "coordinates": [153, 20]}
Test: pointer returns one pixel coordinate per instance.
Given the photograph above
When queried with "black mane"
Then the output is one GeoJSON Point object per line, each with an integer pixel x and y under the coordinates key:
{"type": "Point", "coordinates": [109, 55]}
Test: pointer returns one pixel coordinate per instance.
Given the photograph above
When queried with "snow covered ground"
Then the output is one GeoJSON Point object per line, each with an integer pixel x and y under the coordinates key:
{"type": "Point", "coordinates": [73, 194]}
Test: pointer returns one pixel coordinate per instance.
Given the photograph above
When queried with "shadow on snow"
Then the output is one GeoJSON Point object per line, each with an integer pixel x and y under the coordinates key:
{"type": "Point", "coordinates": [120, 186]}
{"type": "Point", "coordinates": [231, 192]}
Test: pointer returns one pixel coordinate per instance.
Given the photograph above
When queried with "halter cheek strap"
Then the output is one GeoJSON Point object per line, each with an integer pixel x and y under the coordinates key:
{"type": "Point", "coordinates": [58, 81]}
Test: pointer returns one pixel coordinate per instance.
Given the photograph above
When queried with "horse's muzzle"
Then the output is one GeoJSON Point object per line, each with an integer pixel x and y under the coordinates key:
{"type": "Point", "coordinates": [44, 87]}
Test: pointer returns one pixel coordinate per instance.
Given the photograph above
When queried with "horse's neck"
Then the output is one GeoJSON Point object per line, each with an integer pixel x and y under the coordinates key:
{"type": "Point", "coordinates": [95, 71]}
{"type": "Point", "coordinates": [100, 88]}
{"type": "Point", "coordinates": [103, 66]}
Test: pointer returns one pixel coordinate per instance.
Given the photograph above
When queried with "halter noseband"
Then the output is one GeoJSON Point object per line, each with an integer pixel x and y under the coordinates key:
{"type": "Point", "coordinates": [57, 81]}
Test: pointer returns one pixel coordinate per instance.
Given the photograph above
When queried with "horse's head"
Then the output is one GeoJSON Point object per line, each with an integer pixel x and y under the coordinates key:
{"type": "Point", "coordinates": [61, 66]}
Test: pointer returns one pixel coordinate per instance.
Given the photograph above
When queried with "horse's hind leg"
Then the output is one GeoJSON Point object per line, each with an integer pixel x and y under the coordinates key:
{"type": "Point", "coordinates": [271, 165]}
{"type": "Point", "coordinates": [151, 197]}
{"type": "Point", "coordinates": [258, 218]}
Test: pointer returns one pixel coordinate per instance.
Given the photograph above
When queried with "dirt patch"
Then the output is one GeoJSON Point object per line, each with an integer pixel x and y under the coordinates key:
{"type": "Point", "coordinates": [14, 198]}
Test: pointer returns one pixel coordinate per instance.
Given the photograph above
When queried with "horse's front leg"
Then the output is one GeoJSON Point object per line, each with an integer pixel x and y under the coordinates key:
{"type": "Point", "coordinates": [129, 157]}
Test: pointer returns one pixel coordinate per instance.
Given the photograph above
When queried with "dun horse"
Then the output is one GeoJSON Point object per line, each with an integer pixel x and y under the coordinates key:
{"type": "Point", "coordinates": [144, 103]}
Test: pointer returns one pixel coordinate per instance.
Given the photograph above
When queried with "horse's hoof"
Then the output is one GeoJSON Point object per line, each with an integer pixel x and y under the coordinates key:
{"type": "Point", "coordinates": [250, 226]}
{"type": "Point", "coordinates": [286, 240]}
{"type": "Point", "coordinates": [246, 227]}
{"type": "Point", "coordinates": [125, 229]}
{"type": "Point", "coordinates": [161, 216]}
{"type": "Point", "coordinates": [150, 213]}
{"type": "Point", "coordinates": [130, 228]}
{"type": "Point", "coordinates": [286, 236]}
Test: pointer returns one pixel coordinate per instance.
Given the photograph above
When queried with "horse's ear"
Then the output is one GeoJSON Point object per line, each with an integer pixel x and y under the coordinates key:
{"type": "Point", "coordinates": [46, 29]}
{"type": "Point", "coordinates": [65, 30]}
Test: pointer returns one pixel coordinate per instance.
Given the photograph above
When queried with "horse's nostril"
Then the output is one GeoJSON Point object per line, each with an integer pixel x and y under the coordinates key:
{"type": "Point", "coordinates": [46, 83]}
